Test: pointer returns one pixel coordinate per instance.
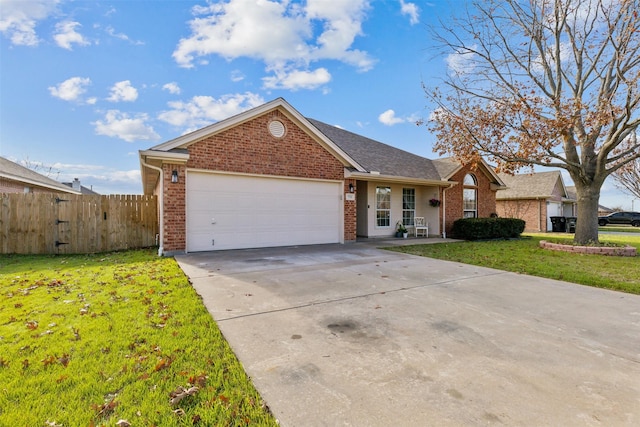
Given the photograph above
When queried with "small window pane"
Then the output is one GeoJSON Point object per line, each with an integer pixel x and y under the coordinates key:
{"type": "Point", "coordinates": [383, 206]}
{"type": "Point", "coordinates": [469, 179]}
{"type": "Point", "coordinates": [408, 206]}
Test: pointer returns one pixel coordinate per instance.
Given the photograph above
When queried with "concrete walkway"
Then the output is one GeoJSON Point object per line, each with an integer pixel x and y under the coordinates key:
{"type": "Point", "coordinates": [350, 335]}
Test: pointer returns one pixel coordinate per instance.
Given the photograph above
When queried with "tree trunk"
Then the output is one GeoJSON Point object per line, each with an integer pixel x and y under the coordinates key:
{"type": "Point", "coordinates": [587, 223]}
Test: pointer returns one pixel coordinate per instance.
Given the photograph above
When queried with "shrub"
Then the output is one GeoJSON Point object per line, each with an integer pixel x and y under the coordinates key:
{"type": "Point", "coordinates": [487, 228]}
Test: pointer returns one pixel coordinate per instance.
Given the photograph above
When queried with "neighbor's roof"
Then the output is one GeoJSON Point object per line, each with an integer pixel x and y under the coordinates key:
{"type": "Point", "coordinates": [530, 186]}
{"type": "Point", "coordinates": [15, 172]}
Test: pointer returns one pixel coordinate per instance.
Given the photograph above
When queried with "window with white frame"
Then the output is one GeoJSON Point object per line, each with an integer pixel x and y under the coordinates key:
{"type": "Point", "coordinates": [383, 206]}
{"type": "Point", "coordinates": [408, 206]}
{"type": "Point", "coordinates": [470, 196]}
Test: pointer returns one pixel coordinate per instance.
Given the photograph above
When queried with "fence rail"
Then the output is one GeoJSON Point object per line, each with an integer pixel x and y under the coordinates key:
{"type": "Point", "coordinates": [50, 223]}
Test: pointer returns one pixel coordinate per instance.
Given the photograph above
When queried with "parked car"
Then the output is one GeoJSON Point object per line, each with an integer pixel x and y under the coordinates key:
{"type": "Point", "coordinates": [632, 218]}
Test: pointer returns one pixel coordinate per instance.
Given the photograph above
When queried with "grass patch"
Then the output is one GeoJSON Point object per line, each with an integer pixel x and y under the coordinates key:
{"type": "Point", "coordinates": [619, 229]}
{"type": "Point", "coordinates": [88, 340]}
{"type": "Point", "coordinates": [526, 257]}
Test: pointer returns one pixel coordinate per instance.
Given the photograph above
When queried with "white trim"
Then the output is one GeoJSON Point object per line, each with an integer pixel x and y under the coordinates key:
{"type": "Point", "coordinates": [258, 175]}
{"type": "Point", "coordinates": [160, 202]}
{"type": "Point", "coordinates": [165, 156]}
{"type": "Point", "coordinates": [377, 177]}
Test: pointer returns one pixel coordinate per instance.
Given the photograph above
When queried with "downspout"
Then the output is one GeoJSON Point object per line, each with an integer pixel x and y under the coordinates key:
{"type": "Point", "coordinates": [160, 201]}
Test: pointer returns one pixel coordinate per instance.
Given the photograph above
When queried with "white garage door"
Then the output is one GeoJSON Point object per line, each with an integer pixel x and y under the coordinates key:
{"type": "Point", "coordinates": [235, 212]}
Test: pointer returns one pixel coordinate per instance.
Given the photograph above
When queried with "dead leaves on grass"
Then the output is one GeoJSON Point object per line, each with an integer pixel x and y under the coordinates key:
{"type": "Point", "coordinates": [180, 393]}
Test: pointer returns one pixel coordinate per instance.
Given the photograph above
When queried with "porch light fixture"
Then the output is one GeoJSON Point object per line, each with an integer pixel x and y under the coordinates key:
{"type": "Point", "coordinates": [351, 189]}
{"type": "Point", "coordinates": [174, 176]}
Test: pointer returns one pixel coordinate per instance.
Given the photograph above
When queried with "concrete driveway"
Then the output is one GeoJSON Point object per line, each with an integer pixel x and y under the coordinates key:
{"type": "Point", "coordinates": [356, 336]}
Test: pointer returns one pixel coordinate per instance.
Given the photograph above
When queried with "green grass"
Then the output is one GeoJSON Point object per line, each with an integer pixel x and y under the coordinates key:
{"type": "Point", "coordinates": [620, 228]}
{"type": "Point", "coordinates": [89, 340]}
{"type": "Point", "coordinates": [526, 257]}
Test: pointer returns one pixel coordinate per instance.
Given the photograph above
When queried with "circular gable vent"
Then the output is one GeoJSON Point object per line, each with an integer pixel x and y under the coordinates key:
{"type": "Point", "coordinates": [276, 128]}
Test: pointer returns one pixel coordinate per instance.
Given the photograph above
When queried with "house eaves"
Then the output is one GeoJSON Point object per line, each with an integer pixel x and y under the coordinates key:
{"type": "Point", "coordinates": [378, 177]}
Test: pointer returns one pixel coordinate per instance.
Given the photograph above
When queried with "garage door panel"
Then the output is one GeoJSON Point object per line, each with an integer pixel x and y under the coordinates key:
{"type": "Point", "coordinates": [233, 212]}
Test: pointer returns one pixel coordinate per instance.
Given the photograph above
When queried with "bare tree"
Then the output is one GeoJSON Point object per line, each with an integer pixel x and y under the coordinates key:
{"type": "Point", "coordinates": [43, 169]}
{"type": "Point", "coordinates": [543, 82]}
{"type": "Point", "coordinates": [627, 178]}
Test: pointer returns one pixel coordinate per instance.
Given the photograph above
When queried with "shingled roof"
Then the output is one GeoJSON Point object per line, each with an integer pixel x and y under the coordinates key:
{"type": "Point", "coordinates": [529, 186]}
{"type": "Point", "coordinates": [375, 156]}
{"type": "Point", "coordinates": [15, 172]}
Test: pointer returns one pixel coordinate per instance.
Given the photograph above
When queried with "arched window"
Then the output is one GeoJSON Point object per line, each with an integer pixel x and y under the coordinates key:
{"type": "Point", "coordinates": [470, 196]}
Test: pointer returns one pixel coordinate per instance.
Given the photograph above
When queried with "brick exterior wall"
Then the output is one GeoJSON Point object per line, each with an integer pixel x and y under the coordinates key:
{"type": "Point", "coordinates": [533, 212]}
{"type": "Point", "coordinates": [250, 148]}
{"type": "Point", "coordinates": [350, 212]}
{"type": "Point", "coordinates": [486, 197]}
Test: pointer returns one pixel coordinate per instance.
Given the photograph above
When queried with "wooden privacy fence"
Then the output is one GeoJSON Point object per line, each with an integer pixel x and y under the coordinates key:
{"type": "Point", "coordinates": [50, 223]}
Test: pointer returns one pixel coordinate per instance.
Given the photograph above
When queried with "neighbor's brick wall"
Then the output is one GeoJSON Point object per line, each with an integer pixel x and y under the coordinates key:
{"type": "Point", "coordinates": [533, 212]}
{"type": "Point", "coordinates": [250, 148]}
{"type": "Point", "coordinates": [11, 186]}
{"type": "Point", "coordinates": [486, 197]}
{"type": "Point", "coordinates": [175, 219]}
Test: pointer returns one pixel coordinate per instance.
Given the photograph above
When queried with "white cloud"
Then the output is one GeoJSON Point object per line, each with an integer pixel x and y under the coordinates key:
{"type": "Point", "coordinates": [123, 91]}
{"type": "Point", "coordinates": [411, 10]}
{"type": "Point", "coordinates": [120, 125]}
{"type": "Point", "coordinates": [18, 19]}
{"type": "Point", "coordinates": [172, 88]}
{"type": "Point", "coordinates": [284, 35]}
{"type": "Point", "coordinates": [112, 32]}
{"type": "Point", "coordinates": [237, 76]}
{"type": "Point", "coordinates": [71, 89]}
{"type": "Point", "coordinates": [389, 118]}
{"type": "Point", "coordinates": [461, 61]}
{"type": "Point", "coordinates": [66, 35]}
{"type": "Point", "coordinates": [298, 79]}
{"type": "Point", "coordinates": [204, 110]}
{"type": "Point", "coordinates": [102, 179]}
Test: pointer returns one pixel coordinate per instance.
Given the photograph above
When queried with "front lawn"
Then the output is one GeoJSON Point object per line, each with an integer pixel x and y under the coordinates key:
{"type": "Point", "coordinates": [91, 340]}
{"type": "Point", "coordinates": [526, 257]}
{"type": "Point", "coordinates": [619, 229]}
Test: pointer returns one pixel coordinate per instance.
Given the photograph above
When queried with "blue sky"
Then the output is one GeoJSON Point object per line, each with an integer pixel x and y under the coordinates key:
{"type": "Point", "coordinates": [84, 85]}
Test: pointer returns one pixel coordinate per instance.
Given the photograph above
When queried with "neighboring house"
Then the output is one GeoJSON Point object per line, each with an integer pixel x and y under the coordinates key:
{"type": "Point", "coordinates": [76, 185]}
{"type": "Point", "coordinates": [15, 178]}
{"type": "Point", "coordinates": [271, 177]}
{"type": "Point", "coordinates": [603, 210]}
{"type": "Point", "coordinates": [535, 198]}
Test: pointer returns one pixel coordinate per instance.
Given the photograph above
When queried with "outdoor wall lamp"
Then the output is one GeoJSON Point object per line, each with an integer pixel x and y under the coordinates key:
{"type": "Point", "coordinates": [351, 189]}
{"type": "Point", "coordinates": [174, 176]}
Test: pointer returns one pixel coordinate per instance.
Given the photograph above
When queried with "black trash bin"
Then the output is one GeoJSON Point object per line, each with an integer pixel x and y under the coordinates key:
{"type": "Point", "coordinates": [558, 224]}
{"type": "Point", "coordinates": [571, 224]}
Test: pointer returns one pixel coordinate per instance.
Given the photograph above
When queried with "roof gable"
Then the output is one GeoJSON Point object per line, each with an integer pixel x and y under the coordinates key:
{"type": "Point", "coordinates": [185, 141]}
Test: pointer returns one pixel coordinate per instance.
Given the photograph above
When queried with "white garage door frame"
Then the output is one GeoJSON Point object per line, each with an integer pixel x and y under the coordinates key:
{"type": "Point", "coordinates": [553, 209]}
{"type": "Point", "coordinates": [227, 210]}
